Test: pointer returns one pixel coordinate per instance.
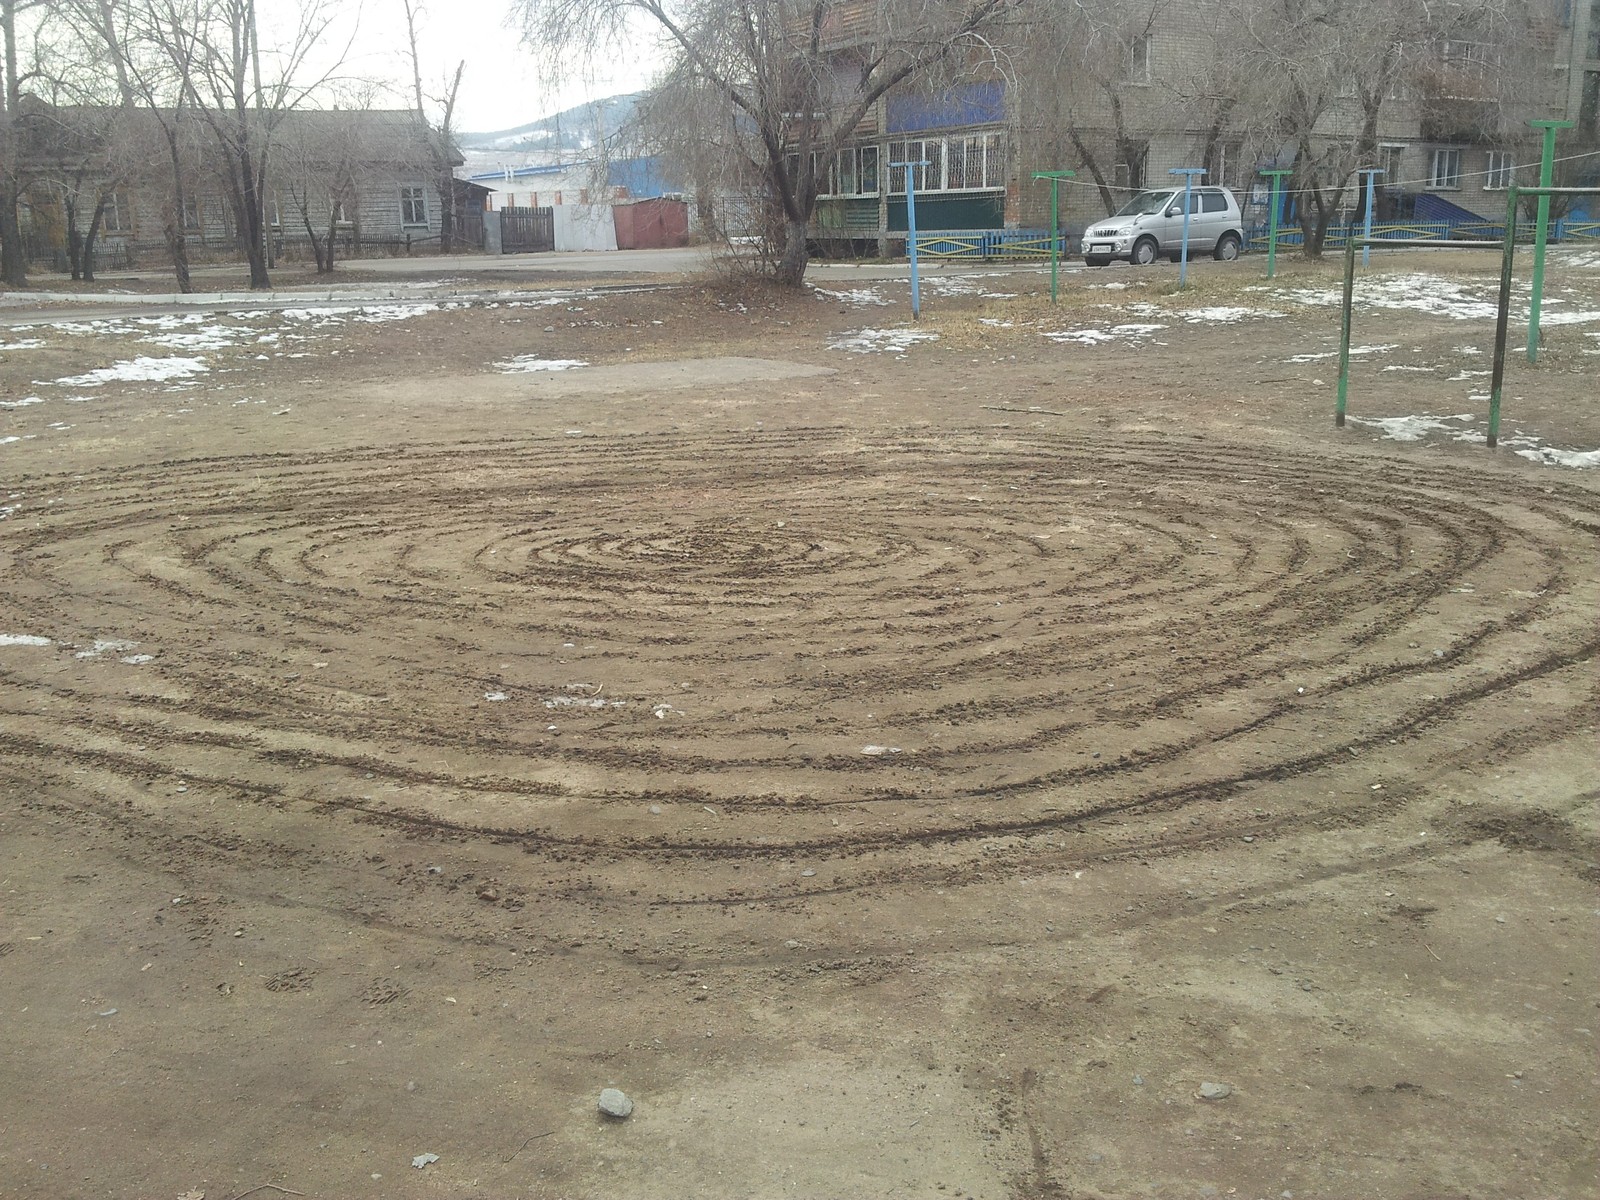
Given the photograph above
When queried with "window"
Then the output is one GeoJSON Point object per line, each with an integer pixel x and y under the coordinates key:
{"type": "Point", "coordinates": [115, 218]}
{"type": "Point", "coordinates": [966, 163]}
{"type": "Point", "coordinates": [413, 206]}
{"type": "Point", "coordinates": [1501, 172]}
{"type": "Point", "coordinates": [1446, 173]}
{"type": "Point", "coordinates": [191, 215]}
{"type": "Point", "coordinates": [1130, 172]}
{"type": "Point", "coordinates": [1213, 202]}
{"type": "Point", "coordinates": [1139, 60]}
{"type": "Point", "coordinates": [1390, 156]}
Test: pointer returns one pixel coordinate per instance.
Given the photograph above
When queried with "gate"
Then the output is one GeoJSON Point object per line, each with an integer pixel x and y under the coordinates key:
{"type": "Point", "coordinates": [524, 229]}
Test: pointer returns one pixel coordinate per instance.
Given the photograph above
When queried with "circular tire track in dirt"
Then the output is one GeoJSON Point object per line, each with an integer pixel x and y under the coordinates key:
{"type": "Point", "coordinates": [895, 656]}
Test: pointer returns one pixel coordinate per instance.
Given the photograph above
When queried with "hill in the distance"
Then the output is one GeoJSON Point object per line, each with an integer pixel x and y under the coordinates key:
{"type": "Point", "coordinates": [573, 131]}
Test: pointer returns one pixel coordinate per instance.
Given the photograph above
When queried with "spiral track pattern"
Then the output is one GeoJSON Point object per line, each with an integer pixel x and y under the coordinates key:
{"type": "Point", "coordinates": [886, 655]}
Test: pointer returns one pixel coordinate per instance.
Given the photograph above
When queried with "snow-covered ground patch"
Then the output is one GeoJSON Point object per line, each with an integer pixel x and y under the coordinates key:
{"type": "Point", "coordinates": [1419, 290]}
{"type": "Point", "coordinates": [1099, 337]}
{"type": "Point", "coordinates": [881, 341]}
{"type": "Point", "coordinates": [1459, 428]}
{"type": "Point", "coordinates": [25, 402]}
{"type": "Point", "coordinates": [962, 285]}
{"type": "Point", "coordinates": [531, 362]}
{"type": "Point", "coordinates": [1355, 352]}
{"type": "Point", "coordinates": [23, 344]}
{"type": "Point", "coordinates": [24, 639]}
{"type": "Point", "coordinates": [138, 370]}
{"type": "Point", "coordinates": [1216, 314]}
{"type": "Point", "coordinates": [857, 296]}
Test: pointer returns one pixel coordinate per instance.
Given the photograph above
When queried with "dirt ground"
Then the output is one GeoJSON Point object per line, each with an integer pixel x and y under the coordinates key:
{"type": "Point", "coordinates": [904, 774]}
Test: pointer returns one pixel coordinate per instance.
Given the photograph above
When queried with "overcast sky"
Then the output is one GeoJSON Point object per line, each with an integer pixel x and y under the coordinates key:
{"type": "Point", "coordinates": [503, 86]}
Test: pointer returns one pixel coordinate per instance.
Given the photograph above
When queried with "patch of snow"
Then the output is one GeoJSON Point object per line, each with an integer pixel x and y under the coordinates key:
{"type": "Point", "coordinates": [1419, 290]}
{"type": "Point", "coordinates": [138, 370]}
{"type": "Point", "coordinates": [24, 639]}
{"type": "Point", "coordinates": [102, 645]}
{"type": "Point", "coordinates": [532, 362]}
{"type": "Point", "coordinates": [24, 344]}
{"type": "Point", "coordinates": [215, 338]}
{"type": "Point", "coordinates": [1550, 456]}
{"type": "Point", "coordinates": [881, 341]}
{"type": "Point", "coordinates": [1582, 317]}
{"type": "Point", "coordinates": [1414, 429]}
{"type": "Point", "coordinates": [582, 702]}
{"type": "Point", "coordinates": [23, 403]}
{"type": "Point", "coordinates": [1098, 337]}
{"type": "Point", "coordinates": [136, 660]}
{"type": "Point", "coordinates": [851, 296]}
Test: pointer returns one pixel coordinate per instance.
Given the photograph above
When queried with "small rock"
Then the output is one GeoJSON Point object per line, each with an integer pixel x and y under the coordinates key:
{"type": "Point", "coordinates": [615, 1104]}
{"type": "Point", "coordinates": [655, 810]}
{"type": "Point", "coordinates": [808, 873]}
{"type": "Point", "coordinates": [489, 895]}
{"type": "Point", "coordinates": [1214, 1091]}
{"type": "Point", "coordinates": [1500, 920]}
{"type": "Point", "coordinates": [1138, 1081]}
{"type": "Point", "coordinates": [423, 1160]}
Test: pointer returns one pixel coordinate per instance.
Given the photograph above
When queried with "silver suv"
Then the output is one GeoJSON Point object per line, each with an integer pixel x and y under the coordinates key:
{"type": "Point", "coordinates": [1151, 224]}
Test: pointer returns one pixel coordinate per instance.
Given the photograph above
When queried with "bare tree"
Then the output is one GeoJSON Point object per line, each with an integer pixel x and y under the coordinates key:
{"type": "Point", "coordinates": [441, 133]}
{"type": "Point", "coordinates": [1323, 72]}
{"type": "Point", "coordinates": [13, 136]}
{"type": "Point", "coordinates": [800, 73]}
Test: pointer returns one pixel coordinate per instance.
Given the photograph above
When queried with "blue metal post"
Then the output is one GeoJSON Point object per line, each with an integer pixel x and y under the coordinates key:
{"type": "Point", "coordinates": [1372, 174]}
{"type": "Point", "coordinates": [1188, 174]}
{"type": "Point", "coordinates": [911, 231]}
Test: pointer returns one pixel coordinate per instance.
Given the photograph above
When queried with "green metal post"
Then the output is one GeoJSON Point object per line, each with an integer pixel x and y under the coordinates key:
{"type": "Point", "coordinates": [1503, 319]}
{"type": "Point", "coordinates": [1055, 178]}
{"type": "Point", "coordinates": [1276, 175]}
{"type": "Point", "coordinates": [1344, 332]}
{"type": "Point", "coordinates": [1542, 229]}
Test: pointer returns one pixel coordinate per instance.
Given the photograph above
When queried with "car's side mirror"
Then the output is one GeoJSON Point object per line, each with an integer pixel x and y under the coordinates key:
{"type": "Point", "coordinates": [1175, 211]}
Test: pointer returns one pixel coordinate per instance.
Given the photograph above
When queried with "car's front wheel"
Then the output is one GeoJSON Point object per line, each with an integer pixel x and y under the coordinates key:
{"type": "Point", "coordinates": [1145, 251]}
{"type": "Point", "coordinates": [1227, 247]}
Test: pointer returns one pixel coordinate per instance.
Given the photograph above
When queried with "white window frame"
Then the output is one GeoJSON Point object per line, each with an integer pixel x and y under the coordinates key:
{"type": "Point", "coordinates": [112, 217]}
{"type": "Point", "coordinates": [1391, 157]}
{"type": "Point", "coordinates": [1139, 74]}
{"type": "Point", "coordinates": [1500, 171]}
{"type": "Point", "coordinates": [1444, 169]}
{"type": "Point", "coordinates": [990, 146]}
{"type": "Point", "coordinates": [413, 197]}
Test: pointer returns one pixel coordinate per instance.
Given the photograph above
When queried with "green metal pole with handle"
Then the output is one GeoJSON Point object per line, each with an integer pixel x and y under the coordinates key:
{"type": "Point", "coordinates": [1541, 229]}
{"type": "Point", "coordinates": [1055, 178]}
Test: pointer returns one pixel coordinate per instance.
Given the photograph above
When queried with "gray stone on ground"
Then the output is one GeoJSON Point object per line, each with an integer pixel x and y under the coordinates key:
{"type": "Point", "coordinates": [1214, 1091]}
{"type": "Point", "coordinates": [614, 1103]}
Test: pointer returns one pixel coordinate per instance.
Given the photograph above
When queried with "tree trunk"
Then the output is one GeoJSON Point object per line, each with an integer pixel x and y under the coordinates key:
{"type": "Point", "coordinates": [91, 237]}
{"type": "Point", "coordinates": [791, 270]}
{"type": "Point", "coordinates": [74, 238]}
{"type": "Point", "coordinates": [447, 212]}
{"type": "Point", "coordinates": [252, 228]}
{"type": "Point", "coordinates": [13, 256]}
{"type": "Point", "coordinates": [1093, 166]}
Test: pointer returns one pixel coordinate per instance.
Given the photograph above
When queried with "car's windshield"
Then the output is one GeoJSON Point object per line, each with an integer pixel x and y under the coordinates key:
{"type": "Point", "coordinates": [1144, 203]}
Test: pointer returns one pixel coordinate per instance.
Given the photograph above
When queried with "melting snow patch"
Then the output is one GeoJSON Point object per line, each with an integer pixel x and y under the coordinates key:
{"type": "Point", "coordinates": [531, 362]}
{"type": "Point", "coordinates": [138, 370]}
{"type": "Point", "coordinates": [582, 702]}
{"type": "Point", "coordinates": [23, 639]}
{"type": "Point", "coordinates": [1221, 314]}
{"type": "Point", "coordinates": [881, 341]}
{"type": "Point", "coordinates": [1552, 457]}
{"type": "Point", "coordinates": [495, 697]}
{"type": "Point", "coordinates": [215, 338]}
{"type": "Point", "coordinates": [1581, 317]}
{"type": "Point", "coordinates": [1096, 337]}
{"type": "Point", "coordinates": [136, 660]}
{"type": "Point", "coordinates": [1380, 348]}
{"type": "Point", "coordinates": [1420, 291]}
{"type": "Point", "coordinates": [23, 403]}
{"type": "Point", "coordinates": [1414, 429]}
{"type": "Point", "coordinates": [24, 344]}
{"type": "Point", "coordinates": [101, 645]}
{"type": "Point", "coordinates": [851, 295]}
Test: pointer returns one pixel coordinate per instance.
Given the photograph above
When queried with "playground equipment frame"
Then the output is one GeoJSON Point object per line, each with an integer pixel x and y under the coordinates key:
{"type": "Point", "coordinates": [1507, 247]}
